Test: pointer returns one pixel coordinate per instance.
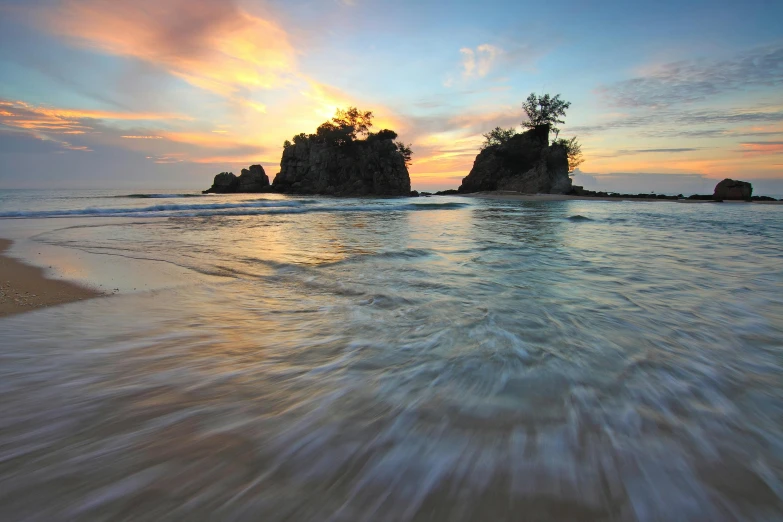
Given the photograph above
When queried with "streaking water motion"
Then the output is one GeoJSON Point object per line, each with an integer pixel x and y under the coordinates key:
{"type": "Point", "coordinates": [439, 359]}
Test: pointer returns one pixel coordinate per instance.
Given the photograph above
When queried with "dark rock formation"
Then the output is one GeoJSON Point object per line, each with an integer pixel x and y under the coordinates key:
{"type": "Point", "coordinates": [448, 192]}
{"type": "Point", "coordinates": [730, 189]}
{"type": "Point", "coordinates": [525, 163]}
{"type": "Point", "coordinates": [358, 168]}
{"type": "Point", "coordinates": [225, 183]}
{"type": "Point", "coordinates": [251, 180]}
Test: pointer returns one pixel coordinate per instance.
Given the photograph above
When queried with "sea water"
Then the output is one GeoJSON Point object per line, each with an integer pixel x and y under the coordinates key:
{"type": "Point", "coordinates": [437, 358]}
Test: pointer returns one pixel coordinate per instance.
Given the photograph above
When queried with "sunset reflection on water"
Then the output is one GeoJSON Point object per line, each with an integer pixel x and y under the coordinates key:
{"type": "Point", "coordinates": [476, 360]}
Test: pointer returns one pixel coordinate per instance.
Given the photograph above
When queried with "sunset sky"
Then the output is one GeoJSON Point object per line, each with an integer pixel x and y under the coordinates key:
{"type": "Point", "coordinates": [667, 96]}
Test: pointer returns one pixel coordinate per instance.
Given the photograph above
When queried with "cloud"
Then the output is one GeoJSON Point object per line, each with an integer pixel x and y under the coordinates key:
{"type": "Point", "coordinates": [211, 44]}
{"type": "Point", "coordinates": [634, 152]}
{"type": "Point", "coordinates": [691, 81]}
{"type": "Point", "coordinates": [671, 123]}
{"type": "Point", "coordinates": [15, 142]}
{"type": "Point", "coordinates": [762, 148]}
{"type": "Point", "coordinates": [658, 151]}
{"type": "Point", "coordinates": [478, 63]}
{"type": "Point", "coordinates": [55, 130]}
{"type": "Point", "coordinates": [21, 115]}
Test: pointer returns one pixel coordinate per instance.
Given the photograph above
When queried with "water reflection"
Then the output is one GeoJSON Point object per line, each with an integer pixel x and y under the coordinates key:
{"type": "Point", "coordinates": [475, 363]}
{"type": "Point", "coordinates": [537, 223]}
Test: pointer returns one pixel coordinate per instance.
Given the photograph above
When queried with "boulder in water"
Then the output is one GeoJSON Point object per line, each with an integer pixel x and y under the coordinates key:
{"type": "Point", "coordinates": [253, 179]}
{"type": "Point", "coordinates": [224, 183]}
{"type": "Point", "coordinates": [731, 189]}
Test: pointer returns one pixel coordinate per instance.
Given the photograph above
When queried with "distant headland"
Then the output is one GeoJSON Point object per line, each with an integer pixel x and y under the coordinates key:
{"type": "Point", "coordinates": [344, 158]}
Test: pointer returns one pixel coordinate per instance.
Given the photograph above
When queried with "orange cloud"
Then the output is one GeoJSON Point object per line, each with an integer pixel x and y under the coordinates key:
{"type": "Point", "coordinates": [762, 148]}
{"type": "Point", "coordinates": [21, 115]}
{"type": "Point", "coordinates": [211, 44]}
{"type": "Point", "coordinates": [240, 159]}
{"type": "Point", "coordinates": [208, 140]}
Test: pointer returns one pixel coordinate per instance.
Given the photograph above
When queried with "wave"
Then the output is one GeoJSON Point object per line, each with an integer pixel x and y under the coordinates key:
{"type": "Point", "coordinates": [578, 218]}
{"type": "Point", "coordinates": [153, 209]}
{"type": "Point", "coordinates": [247, 208]}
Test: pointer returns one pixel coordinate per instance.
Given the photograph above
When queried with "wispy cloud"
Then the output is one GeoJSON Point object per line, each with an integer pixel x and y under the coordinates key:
{"type": "Point", "coordinates": [690, 81]}
{"type": "Point", "coordinates": [635, 152]}
{"type": "Point", "coordinates": [211, 44]}
{"type": "Point", "coordinates": [676, 123]}
{"type": "Point", "coordinates": [21, 115]}
{"type": "Point", "coordinates": [52, 124]}
{"type": "Point", "coordinates": [50, 129]}
{"type": "Point", "coordinates": [762, 148]}
{"type": "Point", "coordinates": [477, 63]}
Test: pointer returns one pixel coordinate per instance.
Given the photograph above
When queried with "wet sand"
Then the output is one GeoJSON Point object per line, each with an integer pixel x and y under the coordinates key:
{"type": "Point", "coordinates": [24, 287]}
{"type": "Point", "coordinates": [518, 196]}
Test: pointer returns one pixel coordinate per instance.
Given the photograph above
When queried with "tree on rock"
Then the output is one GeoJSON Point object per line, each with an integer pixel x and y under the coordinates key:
{"type": "Point", "coordinates": [573, 152]}
{"type": "Point", "coordinates": [343, 157]}
{"type": "Point", "coordinates": [544, 110]}
{"type": "Point", "coordinates": [497, 136]}
{"type": "Point", "coordinates": [405, 151]}
{"type": "Point", "coordinates": [353, 121]}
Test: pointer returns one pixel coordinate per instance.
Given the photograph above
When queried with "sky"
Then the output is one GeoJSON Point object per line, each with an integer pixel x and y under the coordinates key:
{"type": "Point", "coordinates": [667, 96]}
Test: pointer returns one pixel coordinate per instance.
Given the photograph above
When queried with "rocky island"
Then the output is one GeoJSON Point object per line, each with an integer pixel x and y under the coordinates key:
{"type": "Point", "coordinates": [524, 163]}
{"type": "Point", "coordinates": [527, 162]}
{"type": "Point", "coordinates": [342, 158]}
{"type": "Point", "coordinates": [253, 179]}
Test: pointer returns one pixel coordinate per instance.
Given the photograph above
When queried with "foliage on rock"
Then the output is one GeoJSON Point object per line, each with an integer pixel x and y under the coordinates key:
{"type": "Point", "coordinates": [343, 157]}
{"type": "Point", "coordinates": [573, 152]}
{"type": "Point", "coordinates": [348, 127]}
{"type": "Point", "coordinates": [498, 136]}
{"type": "Point", "coordinates": [544, 110]}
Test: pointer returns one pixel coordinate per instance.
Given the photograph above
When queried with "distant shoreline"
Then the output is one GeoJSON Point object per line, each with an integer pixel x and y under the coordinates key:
{"type": "Point", "coordinates": [516, 196]}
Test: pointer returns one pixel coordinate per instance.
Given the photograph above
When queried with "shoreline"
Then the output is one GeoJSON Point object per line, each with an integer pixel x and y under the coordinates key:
{"type": "Point", "coordinates": [518, 196]}
{"type": "Point", "coordinates": [24, 288]}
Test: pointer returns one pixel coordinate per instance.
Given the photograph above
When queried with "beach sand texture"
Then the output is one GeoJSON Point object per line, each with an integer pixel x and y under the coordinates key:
{"type": "Point", "coordinates": [24, 287]}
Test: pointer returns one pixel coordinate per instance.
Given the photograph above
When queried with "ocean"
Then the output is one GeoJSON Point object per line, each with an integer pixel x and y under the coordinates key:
{"type": "Point", "coordinates": [408, 359]}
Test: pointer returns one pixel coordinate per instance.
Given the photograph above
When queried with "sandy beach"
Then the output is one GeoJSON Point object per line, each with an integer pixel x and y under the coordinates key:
{"type": "Point", "coordinates": [24, 287]}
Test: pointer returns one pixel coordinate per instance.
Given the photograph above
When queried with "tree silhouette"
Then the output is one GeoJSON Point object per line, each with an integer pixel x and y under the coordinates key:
{"type": "Point", "coordinates": [497, 136]}
{"type": "Point", "coordinates": [544, 110]}
{"type": "Point", "coordinates": [405, 151]}
{"type": "Point", "coordinates": [353, 121]}
{"type": "Point", "coordinates": [384, 134]}
{"type": "Point", "coordinates": [346, 127]}
{"type": "Point", "coordinates": [573, 152]}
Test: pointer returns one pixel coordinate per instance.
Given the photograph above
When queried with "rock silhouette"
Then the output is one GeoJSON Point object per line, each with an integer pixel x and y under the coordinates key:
{"type": "Point", "coordinates": [253, 179]}
{"type": "Point", "coordinates": [525, 163]}
{"type": "Point", "coordinates": [730, 189]}
{"type": "Point", "coordinates": [360, 168]}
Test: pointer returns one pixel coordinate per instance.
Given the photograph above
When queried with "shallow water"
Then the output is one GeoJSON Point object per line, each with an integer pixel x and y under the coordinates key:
{"type": "Point", "coordinates": [405, 359]}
